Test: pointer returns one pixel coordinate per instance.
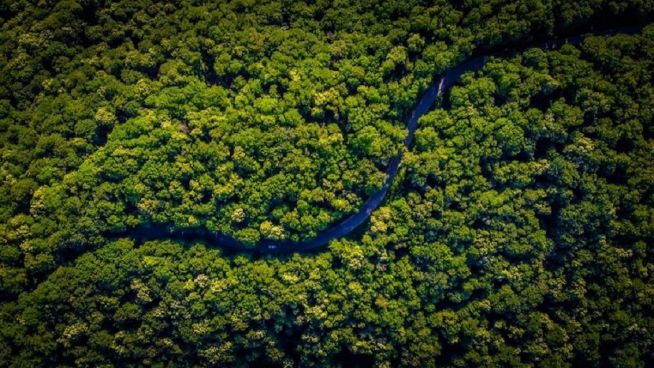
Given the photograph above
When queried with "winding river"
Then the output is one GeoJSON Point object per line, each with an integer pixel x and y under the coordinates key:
{"type": "Point", "coordinates": [347, 225]}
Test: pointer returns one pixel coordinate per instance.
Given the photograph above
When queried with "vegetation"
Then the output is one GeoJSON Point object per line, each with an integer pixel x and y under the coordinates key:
{"type": "Point", "coordinates": [519, 231]}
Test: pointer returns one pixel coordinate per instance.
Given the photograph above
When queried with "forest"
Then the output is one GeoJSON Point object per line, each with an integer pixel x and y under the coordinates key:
{"type": "Point", "coordinates": [518, 231]}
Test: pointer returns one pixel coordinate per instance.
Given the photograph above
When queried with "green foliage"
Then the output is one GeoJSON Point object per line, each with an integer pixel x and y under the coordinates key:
{"type": "Point", "coordinates": [518, 232]}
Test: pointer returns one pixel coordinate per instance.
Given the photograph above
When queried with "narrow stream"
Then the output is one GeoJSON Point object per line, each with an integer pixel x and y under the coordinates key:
{"type": "Point", "coordinates": [347, 225]}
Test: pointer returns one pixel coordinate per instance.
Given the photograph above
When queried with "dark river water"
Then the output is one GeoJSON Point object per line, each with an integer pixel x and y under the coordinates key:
{"type": "Point", "coordinates": [347, 225]}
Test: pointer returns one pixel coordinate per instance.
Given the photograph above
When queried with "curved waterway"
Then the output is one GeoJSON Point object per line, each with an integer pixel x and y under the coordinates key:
{"type": "Point", "coordinates": [347, 225]}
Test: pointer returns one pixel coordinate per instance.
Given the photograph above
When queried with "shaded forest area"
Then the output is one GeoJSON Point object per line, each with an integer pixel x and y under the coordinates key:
{"type": "Point", "coordinates": [519, 231]}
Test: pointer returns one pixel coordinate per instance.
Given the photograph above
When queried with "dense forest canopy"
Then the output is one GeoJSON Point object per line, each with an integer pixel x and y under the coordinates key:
{"type": "Point", "coordinates": [518, 232]}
